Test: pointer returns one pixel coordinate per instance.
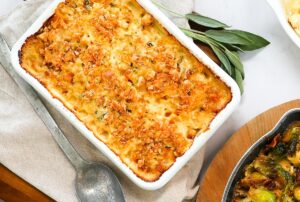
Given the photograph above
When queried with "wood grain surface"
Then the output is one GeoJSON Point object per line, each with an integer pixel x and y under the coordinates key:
{"type": "Point", "coordinates": [14, 189]}
{"type": "Point", "coordinates": [216, 176]}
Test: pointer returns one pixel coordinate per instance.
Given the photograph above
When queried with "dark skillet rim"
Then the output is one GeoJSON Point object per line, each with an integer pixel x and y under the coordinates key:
{"type": "Point", "coordinates": [237, 173]}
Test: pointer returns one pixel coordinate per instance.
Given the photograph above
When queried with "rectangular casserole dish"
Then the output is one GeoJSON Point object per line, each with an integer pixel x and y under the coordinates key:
{"type": "Point", "coordinates": [199, 140]}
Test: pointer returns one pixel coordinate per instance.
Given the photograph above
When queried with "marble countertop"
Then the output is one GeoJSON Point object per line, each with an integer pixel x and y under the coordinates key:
{"type": "Point", "coordinates": [272, 74]}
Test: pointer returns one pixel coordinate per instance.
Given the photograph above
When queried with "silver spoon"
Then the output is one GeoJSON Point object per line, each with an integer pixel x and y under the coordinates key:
{"type": "Point", "coordinates": [94, 181]}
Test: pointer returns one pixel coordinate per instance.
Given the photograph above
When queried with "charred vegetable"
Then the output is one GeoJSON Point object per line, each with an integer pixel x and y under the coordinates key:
{"type": "Point", "coordinates": [274, 176]}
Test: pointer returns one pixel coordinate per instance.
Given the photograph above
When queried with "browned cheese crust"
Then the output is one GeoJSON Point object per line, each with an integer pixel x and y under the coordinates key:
{"type": "Point", "coordinates": [127, 79]}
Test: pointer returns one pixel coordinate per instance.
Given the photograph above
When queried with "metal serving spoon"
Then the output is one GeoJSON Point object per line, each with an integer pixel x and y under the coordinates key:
{"type": "Point", "coordinates": [94, 181]}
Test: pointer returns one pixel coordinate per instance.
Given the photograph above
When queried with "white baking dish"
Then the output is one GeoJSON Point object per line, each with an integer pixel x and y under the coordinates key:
{"type": "Point", "coordinates": [278, 8]}
{"type": "Point", "coordinates": [187, 42]}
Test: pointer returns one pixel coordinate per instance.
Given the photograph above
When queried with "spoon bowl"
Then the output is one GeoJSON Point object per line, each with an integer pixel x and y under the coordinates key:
{"type": "Point", "coordinates": [89, 189]}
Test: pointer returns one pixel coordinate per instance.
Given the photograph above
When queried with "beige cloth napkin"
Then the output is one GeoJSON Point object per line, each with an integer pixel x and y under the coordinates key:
{"type": "Point", "coordinates": [28, 149]}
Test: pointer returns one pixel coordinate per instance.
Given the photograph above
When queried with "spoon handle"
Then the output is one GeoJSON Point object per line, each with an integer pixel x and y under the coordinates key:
{"type": "Point", "coordinates": [39, 107]}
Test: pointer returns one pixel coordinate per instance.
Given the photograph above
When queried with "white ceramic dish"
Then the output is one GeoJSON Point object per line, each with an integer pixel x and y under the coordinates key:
{"type": "Point", "coordinates": [172, 28]}
{"type": "Point", "coordinates": [278, 8]}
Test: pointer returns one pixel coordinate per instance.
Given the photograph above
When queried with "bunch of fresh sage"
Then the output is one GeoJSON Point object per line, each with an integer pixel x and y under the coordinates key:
{"type": "Point", "coordinates": [225, 43]}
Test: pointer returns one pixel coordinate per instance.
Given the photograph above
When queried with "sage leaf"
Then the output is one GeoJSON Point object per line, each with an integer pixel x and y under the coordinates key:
{"type": "Point", "coordinates": [255, 41]}
{"type": "Point", "coordinates": [205, 21]}
{"type": "Point", "coordinates": [227, 37]}
{"type": "Point", "coordinates": [200, 37]}
{"type": "Point", "coordinates": [225, 43]}
{"type": "Point", "coordinates": [236, 70]}
{"type": "Point", "coordinates": [239, 80]}
{"type": "Point", "coordinates": [196, 36]}
{"type": "Point", "coordinates": [224, 60]}
{"type": "Point", "coordinates": [236, 61]}
{"type": "Point", "coordinates": [225, 63]}
{"type": "Point", "coordinates": [233, 47]}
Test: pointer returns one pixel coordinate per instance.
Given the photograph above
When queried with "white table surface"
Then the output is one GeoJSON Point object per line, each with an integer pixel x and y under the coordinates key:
{"type": "Point", "coordinates": [272, 74]}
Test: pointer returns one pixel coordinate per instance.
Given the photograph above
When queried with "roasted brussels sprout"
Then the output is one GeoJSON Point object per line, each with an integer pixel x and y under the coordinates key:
{"type": "Point", "coordinates": [274, 175]}
{"type": "Point", "coordinates": [262, 195]}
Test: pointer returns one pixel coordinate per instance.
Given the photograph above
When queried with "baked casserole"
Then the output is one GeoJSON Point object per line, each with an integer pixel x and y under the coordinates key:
{"type": "Point", "coordinates": [127, 79]}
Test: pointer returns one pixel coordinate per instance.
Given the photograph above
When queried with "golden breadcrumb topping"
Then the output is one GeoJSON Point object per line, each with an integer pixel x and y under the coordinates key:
{"type": "Point", "coordinates": [127, 79]}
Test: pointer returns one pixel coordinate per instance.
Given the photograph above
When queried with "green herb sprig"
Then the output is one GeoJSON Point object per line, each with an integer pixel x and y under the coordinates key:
{"type": "Point", "coordinates": [225, 43]}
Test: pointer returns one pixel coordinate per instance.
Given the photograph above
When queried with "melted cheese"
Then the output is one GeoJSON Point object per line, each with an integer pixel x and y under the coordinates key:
{"type": "Point", "coordinates": [292, 8]}
{"type": "Point", "coordinates": [127, 79]}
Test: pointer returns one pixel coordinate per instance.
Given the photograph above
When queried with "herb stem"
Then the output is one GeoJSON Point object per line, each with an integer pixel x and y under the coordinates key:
{"type": "Point", "coordinates": [192, 30]}
{"type": "Point", "coordinates": [203, 36]}
{"type": "Point", "coordinates": [215, 43]}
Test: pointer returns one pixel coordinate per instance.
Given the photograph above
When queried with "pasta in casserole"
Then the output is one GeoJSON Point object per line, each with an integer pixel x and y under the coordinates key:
{"type": "Point", "coordinates": [127, 79]}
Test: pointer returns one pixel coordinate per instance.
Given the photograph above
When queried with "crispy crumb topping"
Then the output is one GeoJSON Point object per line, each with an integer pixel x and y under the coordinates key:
{"type": "Point", "coordinates": [127, 79]}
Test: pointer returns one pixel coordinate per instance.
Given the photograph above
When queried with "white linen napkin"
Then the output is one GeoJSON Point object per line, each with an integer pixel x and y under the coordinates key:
{"type": "Point", "coordinates": [28, 149]}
